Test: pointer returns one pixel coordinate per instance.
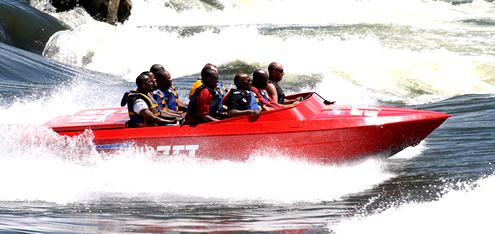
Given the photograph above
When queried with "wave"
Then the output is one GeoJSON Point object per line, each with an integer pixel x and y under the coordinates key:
{"type": "Point", "coordinates": [25, 27]}
{"type": "Point", "coordinates": [32, 79]}
{"type": "Point", "coordinates": [402, 52]}
{"type": "Point", "coordinates": [458, 211]}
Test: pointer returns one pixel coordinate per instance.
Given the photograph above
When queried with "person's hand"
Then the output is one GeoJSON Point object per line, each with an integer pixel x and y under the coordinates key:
{"type": "Point", "coordinates": [255, 112]}
{"type": "Point", "coordinates": [179, 119]}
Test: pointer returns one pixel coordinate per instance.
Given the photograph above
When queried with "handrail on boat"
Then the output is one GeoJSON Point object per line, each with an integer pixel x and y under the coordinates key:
{"type": "Point", "coordinates": [327, 102]}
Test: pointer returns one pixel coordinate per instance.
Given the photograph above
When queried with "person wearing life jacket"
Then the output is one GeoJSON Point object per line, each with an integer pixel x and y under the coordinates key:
{"type": "Point", "coordinates": [205, 103]}
{"type": "Point", "coordinates": [275, 74]}
{"type": "Point", "coordinates": [153, 79]}
{"type": "Point", "coordinates": [222, 91]}
{"type": "Point", "coordinates": [142, 107]}
{"type": "Point", "coordinates": [242, 101]}
{"type": "Point", "coordinates": [123, 101]}
{"type": "Point", "coordinates": [174, 102]}
{"type": "Point", "coordinates": [260, 81]}
{"type": "Point", "coordinates": [166, 96]}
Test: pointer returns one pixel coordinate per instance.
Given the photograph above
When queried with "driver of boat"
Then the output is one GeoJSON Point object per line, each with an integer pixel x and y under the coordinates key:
{"type": "Point", "coordinates": [275, 74]}
{"type": "Point", "coordinates": [205, 103]}
{"type": "Point", "coordinates": [242, 101]}
{"type": "Point", "coordinates": [142, 107]}
{"type": "Point", "coordinates": [260, 81]}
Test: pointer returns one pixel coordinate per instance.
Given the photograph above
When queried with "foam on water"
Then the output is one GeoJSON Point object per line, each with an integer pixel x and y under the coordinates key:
{"type": "Point", "coordinates": [43, 166]}
{"type": "Point", "coordinates": [458, 211]}
{"type": "Point", "coordinates": [414, 65]}
{"type": "Point", "coordinates": [411, 152]}
{"type": "Point", "coordinates": [69, 98]}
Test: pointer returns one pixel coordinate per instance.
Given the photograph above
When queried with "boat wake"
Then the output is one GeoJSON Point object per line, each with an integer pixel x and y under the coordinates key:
{"type": "Point", "coordinates": [72, 171]}
{"type": "Point", "coordinates": [449, 214]}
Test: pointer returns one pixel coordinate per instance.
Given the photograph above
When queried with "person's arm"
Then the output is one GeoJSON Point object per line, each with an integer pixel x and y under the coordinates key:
{"type": "Point", "coordinates": [203, 100]}
{"type": "Point", "coordinates": [267, 108]}
{"type": "Point", "coordinates": [235, 113]}
{"type": "Point", "coordinates": [272, 91]}
{"type": "Point", "coordinates": [292, 101]}
{"type": "Point", "coordinates": [170, 114]}
{"type": "Point", "coordinates": [208, 118]}
{"type": "Point", "coordinates": [182, 105]}
{"type": "Point", "coordinates": [147, 114]}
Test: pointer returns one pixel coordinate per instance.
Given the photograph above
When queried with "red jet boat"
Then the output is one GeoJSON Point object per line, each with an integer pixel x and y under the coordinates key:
{"type": "Point", "coordinates": [313, 130]}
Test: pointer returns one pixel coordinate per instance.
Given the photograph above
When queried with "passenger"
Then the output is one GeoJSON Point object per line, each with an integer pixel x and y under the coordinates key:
{"type": "Point", "coordinates": [143, 109]}
{"type": "Point", "coordinates": [242, 101]}
{"type": "Point", "coordinates": [222, 91]}
{"type": "Point", "coordinates": [152, 76]}
{"type": "Point", "coordinates": [176, 105]}
{"type": "Point", "coordinates": [205, 103]}
{"type": "Point", "coordinates": [276, 71]}
{"type": "Point", "coordinates": [165, 95]}
{"type": "Point", "coordinates": [123, 101]}
{"type": "Point", "coordinates": [260, 81]}
{"type": "Point", "coordinates": [156, 67]}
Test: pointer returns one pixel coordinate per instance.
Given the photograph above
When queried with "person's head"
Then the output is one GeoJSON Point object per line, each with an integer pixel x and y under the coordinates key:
{"type": "Point", "coordinates": [144, 83]}
{"type": "Point", "coordinates": [164, 79]}
{"type": "Point", "coordinates": [209, 77]}
{"type": "Point", "coordinates": [156, 67]}
{"type": "Point", "coordinates": [153, 79]}
{"type": "Point", "coordinates": [242, 81]}
{"type": "Point", "coordinates": [275, 71]}
{"type": "Point", "coordinates": [260, 79]}
{"type": "Point", "coordinates": [212, 66]}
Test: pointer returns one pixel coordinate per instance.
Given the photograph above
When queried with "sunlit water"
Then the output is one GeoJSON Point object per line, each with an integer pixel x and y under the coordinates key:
{"type": "Point", "coordinates": [429, 55]}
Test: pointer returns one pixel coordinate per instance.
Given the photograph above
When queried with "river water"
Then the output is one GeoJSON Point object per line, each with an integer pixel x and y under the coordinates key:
{"type": "Point", "coordinates": [431, 55]}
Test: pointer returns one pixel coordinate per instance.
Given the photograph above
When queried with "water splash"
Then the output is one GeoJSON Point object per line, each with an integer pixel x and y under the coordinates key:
{"type": "Point", "coordinates": [66, 170]}
{"type": "Point", "coordinates": [451, 213]}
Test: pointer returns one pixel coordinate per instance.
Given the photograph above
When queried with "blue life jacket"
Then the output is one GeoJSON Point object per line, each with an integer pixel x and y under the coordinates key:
{"type": "Point", "coordinates": [222, 89]}
{"type": "Point", "coordinates": [252, 101]}
{"type": "Point", "coordinates": [265, 95]}
{"type": "Point", "coordinates": [172, 98]}
{"type": "Point", "coordinates": [215, 103]}
{"type": "Point", "coordinates": [123, 101]}
{"type": "Point", "coordinates": [160, 99]}
{"type": "Point", "coordinates": [136, 118]}
{"type": "Point", "coordinates": [168, 99]}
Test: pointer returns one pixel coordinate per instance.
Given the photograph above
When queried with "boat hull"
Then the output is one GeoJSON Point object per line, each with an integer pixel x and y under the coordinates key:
{"type": "Point", "coordinates": [311, 131]}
